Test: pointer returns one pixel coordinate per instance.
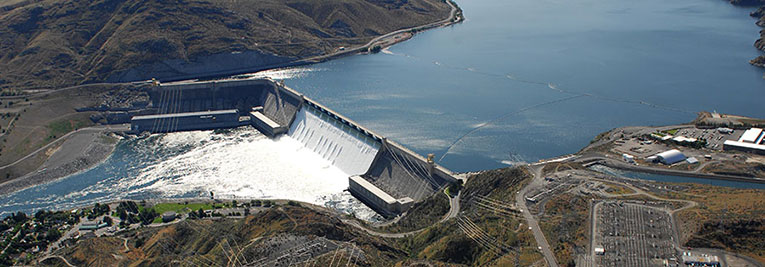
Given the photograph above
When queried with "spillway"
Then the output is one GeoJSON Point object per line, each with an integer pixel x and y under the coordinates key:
{"type": "Point", "coordinates": [347, 148]}
{"type": "Point", "coordinates": [386, 176]}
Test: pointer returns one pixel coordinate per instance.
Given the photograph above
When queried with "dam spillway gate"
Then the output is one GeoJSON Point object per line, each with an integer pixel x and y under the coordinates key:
{"type": "Point", "coordinates": [384, 175]}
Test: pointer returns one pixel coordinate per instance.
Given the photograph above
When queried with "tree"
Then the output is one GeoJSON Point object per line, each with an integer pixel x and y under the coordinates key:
{"type": "Point", "coordinates": [147, 216]}
{"type": "Point", "coordinates": [20, 217]}
{"type": "Point", "coordinates": [122, 213]}
{"type": "Point", "coordinates": [53, 234]}
{"type": "Point", "coordinates": [108, 220]}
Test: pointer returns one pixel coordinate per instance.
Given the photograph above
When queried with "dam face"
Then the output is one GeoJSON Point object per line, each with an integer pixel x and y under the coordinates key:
{"type": "Point", "coordinates": [347, 148]}
{"type": "Point", "coordinates": [384, 175]}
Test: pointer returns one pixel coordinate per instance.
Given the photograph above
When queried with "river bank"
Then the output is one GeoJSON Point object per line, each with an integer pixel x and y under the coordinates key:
{"type": "Point", "coordinates": [27, 177]}
{"type": "Point", "coordinates": [79, 153]}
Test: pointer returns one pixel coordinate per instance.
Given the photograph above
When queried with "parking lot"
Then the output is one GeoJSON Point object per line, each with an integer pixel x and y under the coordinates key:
{"type": "Point", "coordinates": [633, 235]}
{"type": "Point", "coordinates": [714, 138]}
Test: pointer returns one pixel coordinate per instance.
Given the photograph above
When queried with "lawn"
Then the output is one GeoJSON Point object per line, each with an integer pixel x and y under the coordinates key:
{"type": "Point", "coordinates": [61, 127]}
{"type": "Point", "coordinates": [180, 207]}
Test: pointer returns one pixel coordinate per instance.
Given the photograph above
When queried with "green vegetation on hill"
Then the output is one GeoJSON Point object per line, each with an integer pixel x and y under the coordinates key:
{"type": "Point", "coordinates": [54, 43]}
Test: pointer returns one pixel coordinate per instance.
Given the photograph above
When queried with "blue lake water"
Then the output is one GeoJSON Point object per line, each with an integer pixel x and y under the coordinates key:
{"type": "Point", "coordinates": [527, 80]}
{"type": "Point", "coordinates": [517, 82]}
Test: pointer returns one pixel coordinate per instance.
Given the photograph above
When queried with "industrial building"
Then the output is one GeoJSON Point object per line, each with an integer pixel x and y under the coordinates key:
{"type": "Point", "coordinates": [92, 225]}
{"type": "Point", "coordinates": [670, 157]}
{"type": "Point", "coordinates": [188, 121]}
{"type": "Point", "coordinates": [168, 216]}
{"type": "Point", "coordinates": [700, 260]}
{"type": "Point", "coordinates": [752, 141]}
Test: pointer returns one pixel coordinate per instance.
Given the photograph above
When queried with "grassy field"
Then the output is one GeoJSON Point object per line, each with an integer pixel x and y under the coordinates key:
{"type": "Point", "coordinates": [181, 208]}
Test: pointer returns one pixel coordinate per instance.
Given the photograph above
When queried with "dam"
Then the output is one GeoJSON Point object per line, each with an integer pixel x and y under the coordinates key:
{"type": "Point", "coordinates": [382, 174]}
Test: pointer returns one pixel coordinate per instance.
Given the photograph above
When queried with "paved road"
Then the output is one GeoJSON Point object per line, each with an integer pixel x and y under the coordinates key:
{"type": "Point", "coordinates": [381, 38]}
{"type": "Point", "coordinates": [530, 221]}
{"type": "Point", "coordinates": [593, 230]}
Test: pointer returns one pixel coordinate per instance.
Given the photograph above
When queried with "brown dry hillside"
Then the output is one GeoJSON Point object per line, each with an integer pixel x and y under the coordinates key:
{"type": "Point", "coordinates": [55, 43]}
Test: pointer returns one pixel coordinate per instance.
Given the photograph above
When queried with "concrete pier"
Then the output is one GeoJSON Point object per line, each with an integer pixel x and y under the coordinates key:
{"type": "Point", "coordinates": [377, 199]}
{"type": "Point", "coordinates": [265, 125]}
{"type": "Point", "coordinates": [188, 121]}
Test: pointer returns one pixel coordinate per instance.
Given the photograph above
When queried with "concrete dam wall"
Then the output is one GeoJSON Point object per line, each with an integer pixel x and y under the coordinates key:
{"type": "Point", "coordinates": [384, 175]}
{"type": "Point", "coordinates": [275, 102]}
{"type": "Point", "coordinates": [347, 148]}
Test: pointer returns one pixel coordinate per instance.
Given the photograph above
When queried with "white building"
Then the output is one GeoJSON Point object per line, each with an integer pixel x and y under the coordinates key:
{"type": "Point", "coordinates": [628, 158]}
{"type": "Point", "coordinates": [670, 157]}
{"type": "Point", "coordinates": [753, 140]}
{"type": "Point", "coordinates": [725, 130]}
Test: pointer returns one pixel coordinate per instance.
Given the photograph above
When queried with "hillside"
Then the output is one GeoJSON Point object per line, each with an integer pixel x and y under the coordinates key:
{"type": "Point", "coordinates": [56, 43]}
{"type": "Point", "coordinates": [298, 234]}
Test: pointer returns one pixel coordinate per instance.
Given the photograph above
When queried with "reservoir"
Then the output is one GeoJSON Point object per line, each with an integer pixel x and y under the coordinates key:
{"type": "Point", "coordinates": [517, 82]}
{"type": "Point", "coordinates": [524, 80]}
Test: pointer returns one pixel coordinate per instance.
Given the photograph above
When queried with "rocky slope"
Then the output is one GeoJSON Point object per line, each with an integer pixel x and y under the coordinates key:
{"type": "Point", "coordinates": [760, 43]}
{"type": "Point", "coordinates": [54, 43]}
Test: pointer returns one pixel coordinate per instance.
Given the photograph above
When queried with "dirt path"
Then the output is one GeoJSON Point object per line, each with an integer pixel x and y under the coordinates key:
{"type": "Point", "coordinates": [58, 257]}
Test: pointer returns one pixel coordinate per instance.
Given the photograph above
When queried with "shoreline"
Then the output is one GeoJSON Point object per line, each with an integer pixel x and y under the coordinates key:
{"type": "Point", "coordinates": [383, 41]}
{"type": "Point", "coordinates": [93, 157]}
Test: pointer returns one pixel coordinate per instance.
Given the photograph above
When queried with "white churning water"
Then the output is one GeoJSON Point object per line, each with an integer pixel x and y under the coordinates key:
{"type": "Point", "coordinates": [348, 149]}
{"type": "Point", "coordinates": [239, 163]}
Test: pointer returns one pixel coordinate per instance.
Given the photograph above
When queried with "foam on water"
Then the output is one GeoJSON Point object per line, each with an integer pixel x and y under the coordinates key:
{"type": "Point", "coordinates": [245, 165]}
{"type": "Point", "coordinates": [239, 163]}
{"type": "Point", "coordinates": [281, 74]}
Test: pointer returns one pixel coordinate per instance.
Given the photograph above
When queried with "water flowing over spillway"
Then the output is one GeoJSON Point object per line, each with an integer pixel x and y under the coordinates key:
{"type": "Point", "coordinates": [347, 149]}
{"type": "Point", "coordinates": [236, 163]}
